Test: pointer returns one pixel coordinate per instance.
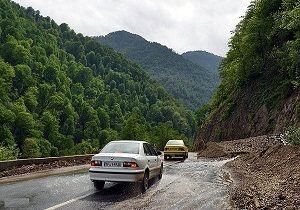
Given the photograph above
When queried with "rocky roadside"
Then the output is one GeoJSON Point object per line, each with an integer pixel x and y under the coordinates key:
{"type": "Point", "coordinates": [266, 172]}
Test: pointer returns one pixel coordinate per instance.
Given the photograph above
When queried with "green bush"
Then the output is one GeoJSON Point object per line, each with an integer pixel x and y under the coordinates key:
{"type": "Point", "coordinates": [8, 153]}
{"type": "Point", "coordinates": [31, 148]}
{"type": "Point", "coordinates": [85, 147]}
{"type": "Point", "coordinates": [107, 135]}
{"type": "Point", "coordinates": [293, 136]}
{"type": "Point", "coordinates": [45, 147]}
{"type": "Point", "coordinates": [202, 114]}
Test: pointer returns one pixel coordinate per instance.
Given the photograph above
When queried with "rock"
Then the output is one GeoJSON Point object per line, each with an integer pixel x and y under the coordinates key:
{"type": "Point", "coordinates": [256, 202]}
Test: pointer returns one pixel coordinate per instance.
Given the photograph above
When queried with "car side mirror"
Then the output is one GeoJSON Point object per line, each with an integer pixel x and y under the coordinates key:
{"type": "Point", "coordinates": [158, 152]}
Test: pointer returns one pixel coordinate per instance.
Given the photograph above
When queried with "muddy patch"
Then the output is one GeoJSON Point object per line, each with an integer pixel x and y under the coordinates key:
{"type": "Point", "coordinates": [266, 174]}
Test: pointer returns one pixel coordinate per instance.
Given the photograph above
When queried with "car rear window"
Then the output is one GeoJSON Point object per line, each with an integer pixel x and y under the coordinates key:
{"type": "Point", "coordinates": [121, 147]}
{"type": "Point", "coordinates": [175, 142]}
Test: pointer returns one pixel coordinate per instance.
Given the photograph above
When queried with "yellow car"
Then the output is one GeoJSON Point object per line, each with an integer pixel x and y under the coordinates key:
{"type": "Point", "coordinates": [175, 148]}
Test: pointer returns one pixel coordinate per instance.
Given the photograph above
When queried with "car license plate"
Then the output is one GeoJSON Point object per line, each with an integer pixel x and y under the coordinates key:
{"type": "Point", "coordinates": [112, 164]}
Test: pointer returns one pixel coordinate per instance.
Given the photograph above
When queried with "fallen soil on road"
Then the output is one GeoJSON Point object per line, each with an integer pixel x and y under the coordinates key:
{"type": "Point", "coordinates": [266, 172]}
{"type": "Point", "coordinates": [44, 168]}
{"type": "Point", "coordinates": [44, 173]}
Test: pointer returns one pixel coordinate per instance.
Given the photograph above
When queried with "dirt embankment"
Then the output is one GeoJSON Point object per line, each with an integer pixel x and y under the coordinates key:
{"type": "Point", "coordinates": [266, 173]}
{"type": "Point", "coordinates": [251, 114]}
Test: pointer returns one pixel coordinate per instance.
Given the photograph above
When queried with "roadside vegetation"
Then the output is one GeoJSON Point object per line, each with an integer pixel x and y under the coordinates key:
{"type": "Point", "coordinates": [8, 153]}
{"type": "Point", "coordinates": [62, 93]}
{"type": "Point", "coordinates": [264, 51]}
{"type": "Point", "coordinates": [293, 136]}
{"type": "Point", "coordinates": [265, 44]}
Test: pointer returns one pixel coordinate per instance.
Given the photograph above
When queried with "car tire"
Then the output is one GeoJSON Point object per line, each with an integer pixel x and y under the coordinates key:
{"type": "Point", "coordinates": [160, 172]}
{"type": "Point", "coordinates": [99, 185]}
{"type": "Point", "coordinates": [145, 182]}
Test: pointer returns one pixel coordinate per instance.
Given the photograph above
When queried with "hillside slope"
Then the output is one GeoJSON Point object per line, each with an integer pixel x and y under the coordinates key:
{"type": "Point", "coordinates": [62, 93]}
{"type": "Point", "coordinates": [259, 93]}
{"type": "Point", "coordinates": [205, 59]}
{"type": "Point", "coordinates": [191, 84]}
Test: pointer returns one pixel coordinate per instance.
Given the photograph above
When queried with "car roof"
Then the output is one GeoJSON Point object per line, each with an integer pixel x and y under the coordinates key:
{"type": "Point", "coordinates": [177, 141]}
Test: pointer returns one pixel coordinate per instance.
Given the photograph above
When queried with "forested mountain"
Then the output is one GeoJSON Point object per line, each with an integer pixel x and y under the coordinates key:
{"type": "Point", "coordinates": [62, 93]}
{"type": "Point", "coordinates": [191, 84]}
{"type": "Point", "coordinates": [259, 92]}
{"type": "Point", "coordinates": [205, 59]}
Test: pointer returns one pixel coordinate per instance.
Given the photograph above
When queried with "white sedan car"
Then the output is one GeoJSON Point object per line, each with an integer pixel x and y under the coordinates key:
{"type": "Point", "coordinates": [126, 161]}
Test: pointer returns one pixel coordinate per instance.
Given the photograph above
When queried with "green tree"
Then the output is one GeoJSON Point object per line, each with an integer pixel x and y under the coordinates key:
{"type": "Point", "coordinates": [31, 148]}
{"type": "Point", "coordinates": [164, 132]}
{"type": "Point", "coordinates": [23, 79]}
{"type": "Point", "coordinates": [8, 153]}
{"type": "Point", "coordinates": [103, 117]}
{"type": "Point", "coordinates": [51, 128]}
{"type": "Point", "coordinates": [134, 128]}
{"type": "Point", "coordinates": [107, 135]}
{"type": "Point", "coordinates": [45, 148]}
{"type": "Point", "coordinates": [202, 114]}
{"type": "Point", "coordinates": [7, 73]}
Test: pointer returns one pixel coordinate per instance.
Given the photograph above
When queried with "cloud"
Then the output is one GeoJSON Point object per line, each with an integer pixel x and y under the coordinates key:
{"type": "Point", "coordinates": [179, 24]}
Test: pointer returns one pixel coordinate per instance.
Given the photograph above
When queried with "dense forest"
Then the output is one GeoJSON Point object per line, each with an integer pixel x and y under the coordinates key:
{"type": "Point", "coordinates": [62, 93]}
{"type": "Point", "coordinates": [188, 82]}
{"type": "Point", "coordinates": [259, 92]}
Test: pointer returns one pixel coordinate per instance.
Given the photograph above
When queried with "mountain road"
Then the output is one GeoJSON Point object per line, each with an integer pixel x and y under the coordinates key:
{"type": "Point", "coordinates": [192, 184]}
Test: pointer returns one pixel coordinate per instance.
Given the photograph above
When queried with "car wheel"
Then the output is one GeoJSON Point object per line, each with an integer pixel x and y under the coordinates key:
{"type": "Point", "coordinates": [145, 182]}
{"type": "Point", "coordinates": [160, 172]}
{"type": "Point", "coordinates": [99, 185]}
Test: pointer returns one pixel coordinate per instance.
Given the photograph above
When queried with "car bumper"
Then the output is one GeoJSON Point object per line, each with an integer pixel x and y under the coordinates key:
{"type": "Point", "coordinates": [116, 176]}
{"type": "Point", "coordinates": [175, 154]}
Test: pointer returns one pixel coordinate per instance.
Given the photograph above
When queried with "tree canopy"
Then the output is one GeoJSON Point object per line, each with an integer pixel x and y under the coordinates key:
{"type": "Point", "coordinates": [62, 93]}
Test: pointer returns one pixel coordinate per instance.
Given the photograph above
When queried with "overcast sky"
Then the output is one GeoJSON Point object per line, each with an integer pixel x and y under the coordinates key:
{"type": "Point", "coordinates": [182, 25]}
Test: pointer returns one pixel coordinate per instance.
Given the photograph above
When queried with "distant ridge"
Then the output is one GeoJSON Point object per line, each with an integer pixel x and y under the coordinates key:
{"type": "Point", "coordinates": [205, 59]}
{"type": "Point", "coordinates": [189, 82]}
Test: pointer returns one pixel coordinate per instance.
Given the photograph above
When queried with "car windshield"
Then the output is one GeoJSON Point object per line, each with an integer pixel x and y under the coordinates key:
{"type": "Point", "coordinates": [175, 142]}
{"type": "Point", "coordinates": [121, 147]}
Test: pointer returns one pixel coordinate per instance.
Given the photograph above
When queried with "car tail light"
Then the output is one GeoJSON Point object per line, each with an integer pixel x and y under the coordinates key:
{"type": "Point", "coordinates": [96, 163]}
{"type": "Point", "coordinates": [130, 165]}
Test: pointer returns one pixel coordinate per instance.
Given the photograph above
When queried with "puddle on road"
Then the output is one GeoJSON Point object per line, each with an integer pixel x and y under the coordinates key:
{"type": "Point", "coordinates": [193, 184]}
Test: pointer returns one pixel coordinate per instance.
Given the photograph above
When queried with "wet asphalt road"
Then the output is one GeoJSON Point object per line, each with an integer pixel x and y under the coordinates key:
{"type": "Point", "coordinates": [193, 184]}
